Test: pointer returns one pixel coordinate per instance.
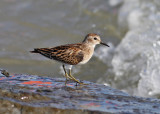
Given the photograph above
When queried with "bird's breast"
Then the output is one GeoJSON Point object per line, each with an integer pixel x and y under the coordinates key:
{"type": "Point", "coordinates": [88, 52]}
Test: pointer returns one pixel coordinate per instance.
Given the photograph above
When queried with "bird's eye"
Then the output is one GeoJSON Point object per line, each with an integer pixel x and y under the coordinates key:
{"type": "Point", "coordinates": [95, 38]}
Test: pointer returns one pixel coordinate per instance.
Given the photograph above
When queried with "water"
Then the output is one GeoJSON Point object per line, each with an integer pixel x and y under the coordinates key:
{"type": "Point", "coordinates": [135, 63]}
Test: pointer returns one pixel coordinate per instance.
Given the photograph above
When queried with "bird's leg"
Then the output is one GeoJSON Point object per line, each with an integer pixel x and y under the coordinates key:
{"type": "Point", "coordinates": [70, 76]}
{"type": "Point", "coordinates": [73, 78]}
{"type": "Point", "coordinates": [66, 75]}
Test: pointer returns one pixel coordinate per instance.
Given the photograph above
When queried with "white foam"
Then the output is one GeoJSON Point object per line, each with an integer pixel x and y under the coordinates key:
{"type": "Point", "coordinates": [136, 60]}
{"type": "Point", "coordinates": [138, 55]}
{"type": "Point", "coordinates": [115, 2]}
{"type": "Point", "coordinates": [105, 53]}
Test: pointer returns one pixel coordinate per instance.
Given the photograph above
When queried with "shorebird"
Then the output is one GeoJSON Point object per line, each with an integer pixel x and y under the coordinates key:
{"type": "Point", "coordinates": [72, 54]}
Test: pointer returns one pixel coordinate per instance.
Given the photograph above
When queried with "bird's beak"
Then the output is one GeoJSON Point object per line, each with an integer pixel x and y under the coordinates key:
{"type": "Point", "coordinates": [104, 44]}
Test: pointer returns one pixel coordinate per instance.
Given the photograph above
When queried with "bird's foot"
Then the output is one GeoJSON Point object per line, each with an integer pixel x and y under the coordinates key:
{"type": "Point", "coordinates": [80, 83]}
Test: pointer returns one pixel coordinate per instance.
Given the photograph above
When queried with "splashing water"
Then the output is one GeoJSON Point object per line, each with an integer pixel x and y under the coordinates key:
{"type": "Point", "coordinates": [136, 60]}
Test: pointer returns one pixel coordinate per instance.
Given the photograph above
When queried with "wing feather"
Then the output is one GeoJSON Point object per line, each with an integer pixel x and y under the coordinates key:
{"type": "Point", "coordinates": [69, 54]}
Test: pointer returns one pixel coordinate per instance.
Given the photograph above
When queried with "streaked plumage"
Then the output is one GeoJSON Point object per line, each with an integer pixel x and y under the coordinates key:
{"type": "Point", "coordinates": [72, 54]}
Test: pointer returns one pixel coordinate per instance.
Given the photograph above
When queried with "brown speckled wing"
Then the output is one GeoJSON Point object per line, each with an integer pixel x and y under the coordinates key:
{"type": "Point", "coordinates": [69, 54]}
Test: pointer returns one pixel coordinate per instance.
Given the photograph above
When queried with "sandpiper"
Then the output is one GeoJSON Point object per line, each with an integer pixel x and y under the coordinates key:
{"type": "Point", "coordinates": [72, 54]}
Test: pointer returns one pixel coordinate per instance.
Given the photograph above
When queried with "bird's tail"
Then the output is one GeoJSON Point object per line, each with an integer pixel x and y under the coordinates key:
{"type": "Point", "coordinates": [34, 51]}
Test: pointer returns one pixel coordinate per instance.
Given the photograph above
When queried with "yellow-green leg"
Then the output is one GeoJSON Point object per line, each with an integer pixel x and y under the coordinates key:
{"type": "Point", "coordinates": [66, 75]}
{"type": "Point", "coordinates": [70, 76]}
{"type": "Point", "coordinates": [73, 78]}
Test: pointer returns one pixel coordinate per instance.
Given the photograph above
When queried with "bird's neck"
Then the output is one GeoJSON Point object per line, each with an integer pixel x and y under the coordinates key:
{"type": "Point", "coordinates": [88, 50]}
{"type": "Point", "coordinates": [89, 45]}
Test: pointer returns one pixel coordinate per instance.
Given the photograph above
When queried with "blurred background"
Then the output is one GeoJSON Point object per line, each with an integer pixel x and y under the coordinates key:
{"type": "Point", "coordinates": [131, 28]}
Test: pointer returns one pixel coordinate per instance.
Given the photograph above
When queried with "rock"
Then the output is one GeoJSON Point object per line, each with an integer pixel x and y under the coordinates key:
{"type": "Point", "coordinates": [34, 94]}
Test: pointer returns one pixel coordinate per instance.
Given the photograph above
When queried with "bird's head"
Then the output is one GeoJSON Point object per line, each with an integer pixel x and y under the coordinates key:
{"type": "Point", "coordinates": [93, 39]}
